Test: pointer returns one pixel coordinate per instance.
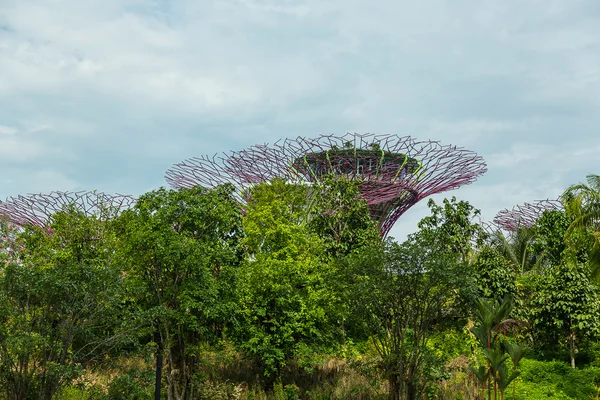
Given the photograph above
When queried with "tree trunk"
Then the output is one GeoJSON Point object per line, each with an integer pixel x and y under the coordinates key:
{"type": "Point", "coordinates": [572, 348]}
{"type": "Point", "coordinates": [159, 366]}
{"type": "Point", "coordinates": [395, 387]}
{"type": "Point", "coordinates": [411, 391]}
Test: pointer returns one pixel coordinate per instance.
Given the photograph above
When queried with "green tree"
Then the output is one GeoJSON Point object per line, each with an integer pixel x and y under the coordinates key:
{"type": "Point", "coordinates": [60, 300]}
{"type": "Point", "coordinates": [495, 276]}
{"type": "Point", "coordinates": [286, 302]}
{"type": "Point", "coordinates": [566, 307]}
{"type": "Point", "coordinates": [582, 205]}
{"type": "Point", "coordinates": [582, 201]}
{"type": "Point", "coordinates": [340, 216]}
{"type": "Point", "coordinates": [551, 236]}
{"type": "Point", "coordinates": [452, 227]}
{"type": "Point", "coordinates": [526, 255]}
{"type": "Point", "coordinates": [406, 292]}
{"type": "Point", "coordinates": [518, 249]}
{"type": "Point", "coordinates": [491, 324]}
{"type": "Point", "coordinates": [10, 249]}
{"type": "Point", "coordinates": [180, 249]}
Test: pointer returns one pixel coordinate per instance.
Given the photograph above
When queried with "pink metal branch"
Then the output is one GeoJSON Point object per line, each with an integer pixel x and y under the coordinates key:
{"type": "Point", "coordinates": [37, 209]}
{"type": "Point", "coordinates": [395, 171]}
{"type": "Point", "coordinates": [525, 215]}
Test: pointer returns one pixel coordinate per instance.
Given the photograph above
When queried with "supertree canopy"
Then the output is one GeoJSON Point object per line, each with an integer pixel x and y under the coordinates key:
{"type": "Point", "coordinates": [36, 209]}
{"type": "Point", "coordinates": [394, 172]}
{"type": "Point", "coordinates": [525, 215]}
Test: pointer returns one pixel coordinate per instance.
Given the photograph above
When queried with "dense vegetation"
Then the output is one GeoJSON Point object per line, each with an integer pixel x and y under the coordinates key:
{"type": "Point", "coordinates": [187, 297]}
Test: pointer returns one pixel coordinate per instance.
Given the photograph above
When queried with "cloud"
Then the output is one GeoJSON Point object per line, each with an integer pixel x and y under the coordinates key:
{"type": "Point", "coordinates": [7, 130]}
{"type": "Point", "coordinates": [519, 153]}
{"type": "Point", "coordinates": [108, 94]}
{"type": "Point", "coordinates": [35, 180]}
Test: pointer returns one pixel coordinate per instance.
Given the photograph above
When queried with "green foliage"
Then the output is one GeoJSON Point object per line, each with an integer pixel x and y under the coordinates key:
{"type": "Point", "coordinates": [341, 217]}
{"type": "Point", "coordinates": [269, 305]}
{"type": "Point", "coordinates": [491, 325]}
{"type": "Point", "coordinates": [519, 251]}
{"type": "Point", "coordinates": [451, 343]}
{"type": "Point", "coordinates": [495, 278]}
{"type": "Point", "coordinates": [407, 292]}
{"type": "Point", "coordinates": [59, 304]}
{"type": "Point", "coordinates": [566, 307]}
{"type": "Point", "coordinates": [133, 385]}
{"type": "Point", "coordinates": [350, 160]}
{"type": "Point", "coordinates": [554, 379]}
{"type": "Point", "coordinates": [452, 227]}
{"type": "Point", "coordinates": [210, 390]}
{"type": "Point", "coordinates": [180, 250]}
{"type": "Point", "coordinates": [82, 392]}
{"type": "Point", "coordinates": [582, 205]}
{"type": "Point", "coordinates": [284, 294]}
{"type": "Point", "coordinates": [551, 230]}
{"type": "Point", "coordinates": [287, 392]}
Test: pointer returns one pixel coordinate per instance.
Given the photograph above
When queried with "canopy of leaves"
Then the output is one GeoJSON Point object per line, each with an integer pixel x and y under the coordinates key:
{"type": "Point", "coordinates": [60, 296]}
{"type": "Point", "coordinates": [407, 291]}
{"type": "Point", "coordinates": [284, 296]}
{"type": "Point", "coordinates": [566, 305]}
{"type": "Point", "coordinates": [495, 277]}
{"type": "Point", "coordinates": [340, 216]}
{"type": "Point", "coordinates": [180, 249]}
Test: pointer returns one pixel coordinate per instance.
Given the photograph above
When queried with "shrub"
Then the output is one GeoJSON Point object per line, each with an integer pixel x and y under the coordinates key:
{"type": "Point", "coordinates": [557, 380]}
{"type": "Point", "coordinates": [134, 385]}
{"type": "Point", "coordinates": [210, 390]}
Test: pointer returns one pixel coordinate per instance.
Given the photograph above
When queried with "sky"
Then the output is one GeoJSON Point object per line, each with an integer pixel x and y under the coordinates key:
{"type": "Point", "coordinates": [108, 94]}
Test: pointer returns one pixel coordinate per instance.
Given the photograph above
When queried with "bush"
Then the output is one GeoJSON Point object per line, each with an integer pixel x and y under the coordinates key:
{"type": "Point", "coordinates": [134, 385]}
{"type": "Point", "coordinates": [534, 391]}
{"type": "Point", "coordinates": [210, 390]}
{"type": "Point", "coordinates": [555, 379]}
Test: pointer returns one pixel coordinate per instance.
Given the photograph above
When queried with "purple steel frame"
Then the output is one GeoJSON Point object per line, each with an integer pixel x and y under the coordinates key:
{"type": "Point", "coordinates": [390, 187]}
{"type": "Point", "coordinates": [37, 209]}
{"type": "Point", "coordinates": [525, 214]}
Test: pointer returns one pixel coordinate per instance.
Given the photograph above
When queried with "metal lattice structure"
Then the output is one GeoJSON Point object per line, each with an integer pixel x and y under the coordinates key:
{"type": "Point", "coordinates": [525, 215]}
{"type": "Point", "coordinates": [395, 172]}
{"type": "Point", "coordinates": [37, 209]}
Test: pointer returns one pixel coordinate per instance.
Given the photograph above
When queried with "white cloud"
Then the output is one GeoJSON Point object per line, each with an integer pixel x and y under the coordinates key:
{"type": "Point", "coordinates": [109, 93]}
{"type": "Point", "coordinates": [14, 150]}
{"type": "Point", "coordinates": [521, 152]}
{"type": "Point", "coordinates": [464, 132]}
{"type": "Point", "coordinates": [7, 130]}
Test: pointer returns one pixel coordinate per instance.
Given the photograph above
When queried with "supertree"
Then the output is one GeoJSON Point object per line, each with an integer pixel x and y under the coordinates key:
{"type": "Point", "coordinates": [37, 209]}
{"type": "Point", "coordinates": [394, 172]}
{"type": "Point", "coordinates": [525, 215]}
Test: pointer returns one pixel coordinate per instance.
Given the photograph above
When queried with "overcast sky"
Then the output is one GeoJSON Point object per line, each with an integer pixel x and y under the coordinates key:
{"type": "Point", "coordinates": [108, 94]}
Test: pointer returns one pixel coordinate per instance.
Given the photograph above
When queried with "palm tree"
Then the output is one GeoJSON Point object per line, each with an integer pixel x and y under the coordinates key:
{"type": "Point", "coordinates": [491, 322]}
{"type": "Point", "coordinates": [517, 249]}
{"type": "Point", "coordinates": [582, 203]}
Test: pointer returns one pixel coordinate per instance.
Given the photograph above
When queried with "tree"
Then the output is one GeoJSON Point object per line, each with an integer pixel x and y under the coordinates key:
{"type": "Point", "coordinates": [582, 205]}
{"type": "Point", "coordinates": [405, 292]}
{"type": "Point", "coordinates": [566, 307]}
{"type": "Point", "coordinates": [518, 249]}
{"type": "Point", "coordinates": [286, 301]}
{"type": "Point", "coordinates": [582, 201]}
{"type": "Point", "coordinates": [60, 302]}
{"type": "Point", "coordinates": [340, 216]}
{"type": "Point", "coordinates": [491, 324]}
{"type": "Point", "coordinates": [495, 276]}
{"type": "Point", "coordinates": [452, 228]}
{"type": "Point", "coordinates": [180, 249]}
{"type": "Point", "coordinates": [551, 236]}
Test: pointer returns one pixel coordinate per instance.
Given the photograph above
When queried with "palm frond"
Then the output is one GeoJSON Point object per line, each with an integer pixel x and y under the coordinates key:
{"type": "Point", "coordinates": [593, 181]}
